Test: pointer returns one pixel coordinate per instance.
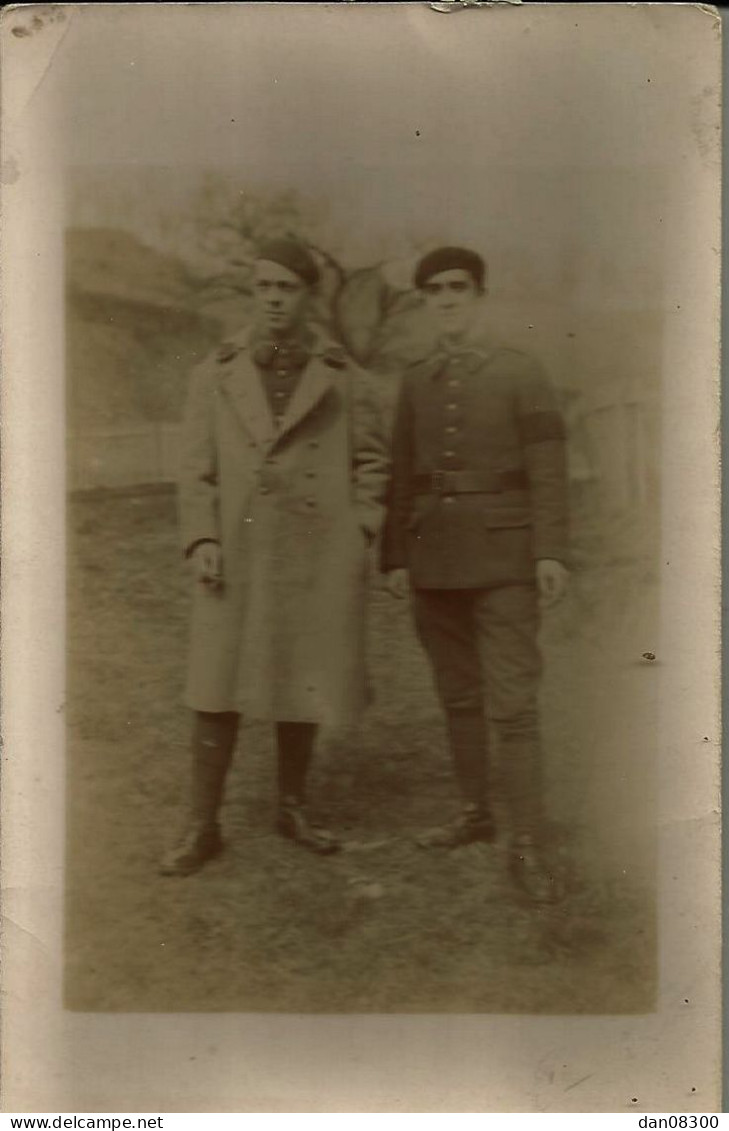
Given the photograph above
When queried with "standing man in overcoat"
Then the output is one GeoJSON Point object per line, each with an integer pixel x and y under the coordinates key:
{"type": "Point", "coordinates": [477, 529]}
{"type": "Point", "coordinates": [284, 469]}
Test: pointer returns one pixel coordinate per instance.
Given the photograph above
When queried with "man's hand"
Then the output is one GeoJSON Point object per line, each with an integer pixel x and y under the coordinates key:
{"type": "Point", "coordinates": [207, 564]}
{"type": "Point", "coordinates": [397, 583]}
{"type": "Point", "coordinates": [552, 578]}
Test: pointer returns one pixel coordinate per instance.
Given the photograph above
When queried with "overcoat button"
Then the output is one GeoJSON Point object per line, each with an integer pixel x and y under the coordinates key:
{"type": "Point", "coordinates": [264, 490]}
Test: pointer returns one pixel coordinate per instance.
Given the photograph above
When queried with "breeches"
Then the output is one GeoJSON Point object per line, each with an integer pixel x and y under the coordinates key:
{"type": "Point", "coordinates": [482, 644]}
{"type": "Point", "coordinates": [483, 648]}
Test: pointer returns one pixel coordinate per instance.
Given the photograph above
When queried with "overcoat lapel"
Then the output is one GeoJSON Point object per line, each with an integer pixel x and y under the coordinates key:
{"type": "Point", "coordinates": [315, 382]}
{"type": "Point", "coordinates": [242, 385]}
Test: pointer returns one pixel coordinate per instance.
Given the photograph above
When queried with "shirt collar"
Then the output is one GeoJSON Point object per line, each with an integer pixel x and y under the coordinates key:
{"type": "Point", "coordinates": [301, 339]}
{"type": "Point", "coordinates": [477, 341]}
{"type": "Point", "coordinates": [476, 346]}
{"type": "Point", "coordinates": [312, 336]}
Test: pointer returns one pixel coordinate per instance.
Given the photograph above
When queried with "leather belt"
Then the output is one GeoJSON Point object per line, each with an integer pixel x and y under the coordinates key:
{"type": "Point", "coordinates": [469, 482]}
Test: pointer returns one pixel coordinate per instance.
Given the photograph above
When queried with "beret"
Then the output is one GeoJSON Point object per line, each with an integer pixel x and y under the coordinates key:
{"type": "Point", "coordinates": [450, 259]}
{"type": "Point", "coordinates": [292, 255]}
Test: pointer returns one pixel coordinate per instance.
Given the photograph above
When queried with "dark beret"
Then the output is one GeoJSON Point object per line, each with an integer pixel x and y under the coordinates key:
{"type": "Point", "coordinates": [293, 255]}
{"type": "Point", "coordinates": [451, 259]}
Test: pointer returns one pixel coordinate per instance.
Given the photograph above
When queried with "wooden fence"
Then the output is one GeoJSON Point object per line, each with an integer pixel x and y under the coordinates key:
{"type": "Point", "coordinates": [619, 442]}
{"type": "Point", "coordinates": [123, 457]}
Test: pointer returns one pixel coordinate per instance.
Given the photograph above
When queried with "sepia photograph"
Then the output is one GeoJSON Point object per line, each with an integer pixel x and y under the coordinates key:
{"type": "Point", "coordinates": [362, 562]}
{"type": "Point", "coordinates": [369, 325]}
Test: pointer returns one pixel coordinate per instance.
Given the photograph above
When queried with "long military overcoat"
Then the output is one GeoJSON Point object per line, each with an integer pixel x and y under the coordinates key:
{"type": "Point", "coordinates": [294, 507]}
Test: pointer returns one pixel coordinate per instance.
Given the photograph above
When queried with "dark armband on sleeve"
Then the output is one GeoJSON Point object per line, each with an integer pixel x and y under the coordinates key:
{"type": "Point", "coordinates": [535, 427]}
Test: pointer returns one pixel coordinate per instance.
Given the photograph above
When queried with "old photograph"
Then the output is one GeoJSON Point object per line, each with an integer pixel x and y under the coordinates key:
{"type": "Point", "coordinates": [368, 342]}
{"type": "Point", "coordinates": [364, 536]}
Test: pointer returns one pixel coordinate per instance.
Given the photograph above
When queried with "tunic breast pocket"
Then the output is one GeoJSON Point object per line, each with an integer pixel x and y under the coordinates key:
{"type": "Point", "coordinates": [508, 509]}
{"type": "Point", "coordinates": [507, 517]}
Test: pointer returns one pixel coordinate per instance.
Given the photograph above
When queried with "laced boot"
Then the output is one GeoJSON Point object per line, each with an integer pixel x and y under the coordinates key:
{"type": "Point", "coordinates": [212, 750]}
{"type": "Point", "coordinates": [473, 824]}
{"type": "Point", "coordinates": [535, 875]}
{"type": "Point", "coordinates": [293, 823]}
{"type": "Point", "coordinates": [468, 738]}
{"type": "Point", "coordinates": [295, 751]}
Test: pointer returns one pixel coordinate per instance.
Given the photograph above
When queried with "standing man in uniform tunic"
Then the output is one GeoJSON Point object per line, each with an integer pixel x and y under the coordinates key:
{"type": "Point", "coordinates": [284, 469]}
{"type": "Point", "coordinates": [477, 529]}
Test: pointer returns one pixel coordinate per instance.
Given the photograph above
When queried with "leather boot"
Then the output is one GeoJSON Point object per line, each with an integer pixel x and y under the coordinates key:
{"type": "Point", "coordinates": [293, 823]}
{"type": "Point", "coordinates": [468, 738]}
{"type": "Point", "coordinates": [295, 743]}
{"type": "Point", "coordinates": [470, 826]}
{"type": "Point", "coordinates": [212, 750]}
{"type": "Point", "coordinates": [529, 866]}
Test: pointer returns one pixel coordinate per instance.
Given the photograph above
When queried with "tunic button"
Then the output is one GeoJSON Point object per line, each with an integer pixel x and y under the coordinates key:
{"type": "Point", "coordinates": [311, 502]}
{"type": "Point", "coordinates": [310, 474]}
{"type": "Point", "coordinates": [452, 406]}
{"type": "Point", "coordinates": [454, 383]}
{"type": "Point", "coordinates": [264, 489]}
{"type": "Point", "coordinates": [450, 429]}
{"type": "Point", "coordinates": [449, 455]}
{"type": "Point", "coordinates": [448, 499]}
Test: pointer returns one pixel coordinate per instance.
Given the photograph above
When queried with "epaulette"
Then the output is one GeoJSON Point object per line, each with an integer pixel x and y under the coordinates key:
{"type": "Point", "coordinates": [427, 364]}
{"type": "Point", "coordinates": [226, 352]}
{"type": "Point", "coordinates": [335, 358]}
{"type": "Point", "coordinates": [420, 359]}
{"type": "Point", "coordinates": [415, 364]}
{"type": "Point", "coordinates": [515, 352]}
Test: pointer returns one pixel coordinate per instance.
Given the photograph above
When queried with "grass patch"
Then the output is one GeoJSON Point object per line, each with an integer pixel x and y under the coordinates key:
{"type": "Point", "coordinates": [382, 927]}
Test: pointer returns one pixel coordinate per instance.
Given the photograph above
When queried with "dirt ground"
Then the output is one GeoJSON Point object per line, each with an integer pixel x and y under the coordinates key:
{"type": "Point", "coordinates": [383, 926]}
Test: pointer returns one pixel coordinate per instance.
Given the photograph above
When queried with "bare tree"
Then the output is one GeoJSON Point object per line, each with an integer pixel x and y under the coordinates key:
{"type": "Point", "coordinates": [227, 223]}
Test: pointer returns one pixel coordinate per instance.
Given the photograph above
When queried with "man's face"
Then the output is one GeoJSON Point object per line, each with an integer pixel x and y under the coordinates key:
{"type": "Point", "coordinates": [453, 299]}
{"type": "Point", "coordinates": [280, 298]}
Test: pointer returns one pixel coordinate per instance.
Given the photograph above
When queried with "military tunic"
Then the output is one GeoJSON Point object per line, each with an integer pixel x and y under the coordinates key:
{"type": "Point", "coordinates": [484, 422]}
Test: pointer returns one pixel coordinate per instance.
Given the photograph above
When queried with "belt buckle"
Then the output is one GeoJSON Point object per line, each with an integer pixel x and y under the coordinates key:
{"type": "Point", "coordinates": [437, 481]}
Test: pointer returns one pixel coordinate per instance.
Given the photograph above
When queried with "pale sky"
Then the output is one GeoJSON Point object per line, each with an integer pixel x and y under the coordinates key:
{"type": "Point", "coordinates": [527, 127]}
{"type": "Point", "coordinates": [342, 91]}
